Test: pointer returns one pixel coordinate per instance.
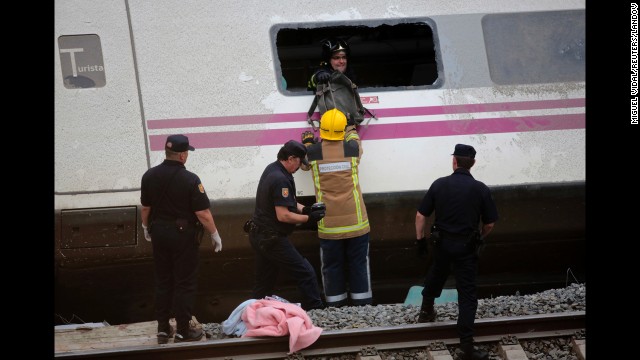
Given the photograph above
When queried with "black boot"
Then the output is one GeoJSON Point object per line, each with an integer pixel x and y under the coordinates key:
{"type": "Point", "coordinates": [165, 332]}
{"type": "Point", "coordinates": [427, 312]}
{"type": "Point", "coordinates": [188, 335]}
{"type": "Point", "coordinates": [471, 353]}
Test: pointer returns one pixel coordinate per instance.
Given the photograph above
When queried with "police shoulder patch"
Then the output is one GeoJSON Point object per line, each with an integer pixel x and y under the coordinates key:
{"type": "Point", "coordinates": [201, 188]}
{"type": "Point", "coordinates": [285, 192]}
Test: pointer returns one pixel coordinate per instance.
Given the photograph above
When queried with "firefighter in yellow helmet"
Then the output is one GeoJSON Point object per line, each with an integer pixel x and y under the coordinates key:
{"type": "Point", "coordinates": [344, 231]}
{"type": "Point", "coordinates": [333, 125]}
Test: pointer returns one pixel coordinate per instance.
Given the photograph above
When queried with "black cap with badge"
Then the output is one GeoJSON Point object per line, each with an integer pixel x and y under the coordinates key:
{"type": "Point", "coordinates": [464, 150]}
{"type": "Point", "coordinates": [178, 143]}
{"type": "Point", "coordinates": [295, 148]}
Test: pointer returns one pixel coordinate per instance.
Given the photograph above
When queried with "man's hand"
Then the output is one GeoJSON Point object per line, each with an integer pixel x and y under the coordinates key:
{"type": "Point", "coordinates": [216, 241]}
{"type": "Point", "coordinates": [322, 76]}
{"type": "Point", "coordinates": [147, 236]}
{"type": "Point", "coordinates": [307, 138]}
{"type": "Point", "coordinates": [316, 215]}
{"type": "Point", "coordinates": [306, 210]}
{"type": "Point", "coordinates": [422, 249]}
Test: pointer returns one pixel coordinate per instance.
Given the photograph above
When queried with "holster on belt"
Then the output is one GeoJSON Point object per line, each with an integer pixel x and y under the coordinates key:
{"type": "Point", "coordinates": [267, 238]}
{"type": "Point", "coordinates": [250, 226]}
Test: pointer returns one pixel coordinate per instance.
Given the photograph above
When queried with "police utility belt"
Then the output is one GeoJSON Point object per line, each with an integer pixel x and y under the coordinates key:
{"type": "Point", "coordinates": [251, 227]}
{"type": "Point", "coordinates": [268, 237]}
{"type": "Point", "coordinates": [180, 223]}
{"type": "Point", "coordinates": [472, 238]}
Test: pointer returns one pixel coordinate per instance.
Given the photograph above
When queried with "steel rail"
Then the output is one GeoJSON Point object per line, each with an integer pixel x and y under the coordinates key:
{"type": "Point", "coordinates": [350, 340]}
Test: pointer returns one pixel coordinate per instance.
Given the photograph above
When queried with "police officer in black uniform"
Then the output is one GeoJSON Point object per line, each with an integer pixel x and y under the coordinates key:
{"type": "Point", "coordinates": [460, 202]}
{"type": "Point", "coordinates": [275, 217]}
{"type": "Point", "coordinates": [175, 210]}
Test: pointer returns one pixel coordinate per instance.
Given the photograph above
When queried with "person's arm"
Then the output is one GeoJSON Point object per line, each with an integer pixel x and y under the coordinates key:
{"type": "Point", "coordinates": [307, 139]}
{"type": "Point", "coordinates": [284, 215]}
{"type": "Point", "coordinates": [146, 210]}
{"type": "Point", "coordinates": [351, 133]}
{"type": "Point", "coordinates": [421, 225]}
{"type": "Point", "coordinates": [421, 238]}
{"type": "Point", "coordinates": [486, 229]}
{"type": "Point", "coordinates": [144, 214]}
{"type": "Point", "coordinates": [320, 76]}
{"type": "Point", "coordinates": [300, 208]}
{"type": "Point", "coordinates": [206, 219]}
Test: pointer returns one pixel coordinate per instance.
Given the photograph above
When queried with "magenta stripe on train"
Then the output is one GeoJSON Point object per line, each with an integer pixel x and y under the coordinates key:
{"type": "Point", "coordinates": [390, 112]}
{"type": "Point", "coordinates": [375, 131]}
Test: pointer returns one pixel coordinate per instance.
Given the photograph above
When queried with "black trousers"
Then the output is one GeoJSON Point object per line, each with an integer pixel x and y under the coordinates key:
{"type": "Point", "coordinates": [455, 253]}
{"type": "Point", "coordinates": [175, 256]}
{"type": "Point", "coordinates": [282, 255]}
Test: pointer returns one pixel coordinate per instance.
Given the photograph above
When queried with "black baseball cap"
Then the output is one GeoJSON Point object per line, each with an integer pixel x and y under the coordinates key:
{"type": "Point", "coordinates": [178, 143]}
{"type": "Point", "coordinates": [464, 150]}
{"type": "Point", "coordinates": [295, 148]}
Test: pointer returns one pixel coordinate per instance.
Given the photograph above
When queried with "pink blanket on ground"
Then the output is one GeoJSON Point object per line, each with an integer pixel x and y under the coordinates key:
{"type": "Point", "coordinates": [275, 318]}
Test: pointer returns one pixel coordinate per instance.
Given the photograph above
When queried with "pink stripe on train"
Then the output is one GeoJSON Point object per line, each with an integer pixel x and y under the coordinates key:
{"type": "Point", "coordinates": [389, 112]}
{"type": "Point", "coordinates": [386, 131]}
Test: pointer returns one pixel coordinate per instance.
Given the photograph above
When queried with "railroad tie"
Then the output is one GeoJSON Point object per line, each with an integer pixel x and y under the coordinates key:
{"type": "Point", "coordinates": [579, 344]}
{"type": "Point", "coordinates": [368, 353]}
{"type": "Point", "coordinates": [510, 349]}
{"type": "Point", "coordinates": [438, 351]}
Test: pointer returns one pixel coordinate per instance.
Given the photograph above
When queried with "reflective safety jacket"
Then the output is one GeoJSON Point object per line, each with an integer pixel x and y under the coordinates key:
{"type": "Point", "coordinates": [334, 166]}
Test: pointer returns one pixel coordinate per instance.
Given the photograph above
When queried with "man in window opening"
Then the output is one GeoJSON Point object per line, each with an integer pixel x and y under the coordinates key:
{"type": "Point", "coordinates": [335, 53]}
{"type": "Point", "coordinates": [333, 83]}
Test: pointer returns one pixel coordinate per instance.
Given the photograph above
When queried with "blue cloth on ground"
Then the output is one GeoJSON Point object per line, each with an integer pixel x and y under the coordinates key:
{"type": "Point", "coordinates": [234, 324]}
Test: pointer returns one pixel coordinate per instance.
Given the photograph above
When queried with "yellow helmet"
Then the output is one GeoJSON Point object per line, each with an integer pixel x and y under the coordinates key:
{"type": "Point", "coordinates": [332, 125]}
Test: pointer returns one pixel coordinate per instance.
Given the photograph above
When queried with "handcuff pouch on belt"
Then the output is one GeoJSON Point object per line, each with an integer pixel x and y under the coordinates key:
{"type": "Point", "coordinates": [182, 225]}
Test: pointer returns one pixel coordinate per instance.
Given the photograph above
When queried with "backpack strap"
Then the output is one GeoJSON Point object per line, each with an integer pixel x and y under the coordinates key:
{"type": "Point", "coordinates": [321, 89]}
{"type": "Point", "coordinates": [314, 103]}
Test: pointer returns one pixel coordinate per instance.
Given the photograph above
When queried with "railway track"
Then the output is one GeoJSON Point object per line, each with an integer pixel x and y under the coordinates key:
{"type": "Point", "coordinates": [430, 335]}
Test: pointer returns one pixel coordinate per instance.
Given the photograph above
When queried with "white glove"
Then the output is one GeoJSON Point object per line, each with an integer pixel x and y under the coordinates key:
{"type": "Point", "coordinates": [146, 233]}
{"type": "Point", "coordinates": [216, 241]}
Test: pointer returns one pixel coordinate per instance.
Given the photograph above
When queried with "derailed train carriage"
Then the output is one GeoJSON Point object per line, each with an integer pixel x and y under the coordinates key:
{"type": "Point", "coordinates": [507, 78]}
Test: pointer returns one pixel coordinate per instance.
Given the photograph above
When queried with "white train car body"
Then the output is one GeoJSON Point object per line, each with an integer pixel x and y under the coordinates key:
{"type": "Point", "coordinates": [506, 77]}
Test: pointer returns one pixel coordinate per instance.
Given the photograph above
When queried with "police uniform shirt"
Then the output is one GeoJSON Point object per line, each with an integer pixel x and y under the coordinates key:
{"type": "Point", "coordinates": [461, 201]}
{"type": "Point", "coordinates": [276, 188]}
{"type": "Point", "coordinates": [182, 197]}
